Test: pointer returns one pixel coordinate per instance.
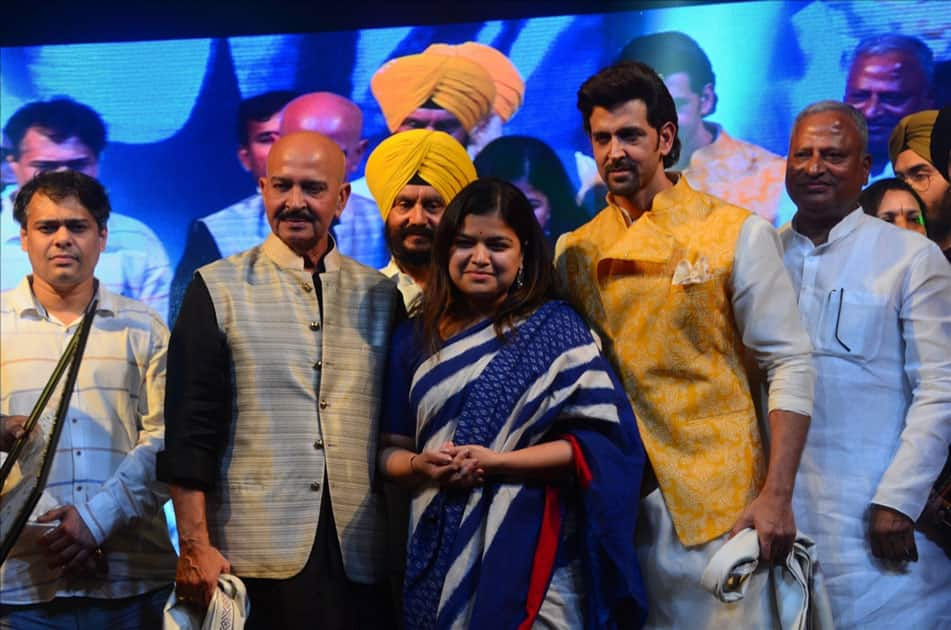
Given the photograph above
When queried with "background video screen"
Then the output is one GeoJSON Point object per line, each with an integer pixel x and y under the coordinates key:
{"type": "Point", "coordinates": [170, 105]}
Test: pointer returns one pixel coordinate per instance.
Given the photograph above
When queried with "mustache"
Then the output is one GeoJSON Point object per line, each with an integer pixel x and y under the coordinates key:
{"type": "Point", "coordinates": [622, 164]}
{"type": "Point", "coordinates": [295, 214]}
{"type": "Point", "coordinates": [417, 230]}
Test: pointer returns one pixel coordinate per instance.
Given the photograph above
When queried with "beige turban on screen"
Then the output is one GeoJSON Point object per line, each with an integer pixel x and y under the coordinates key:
{"type": "Point", "coordinates": [458, 85]}
{"type": "Point", "coordinates": [913, 132]}
{"type": "Point", "coordinates": [434, 155]}
{"type": "Point", "coordinates": [509, 86]}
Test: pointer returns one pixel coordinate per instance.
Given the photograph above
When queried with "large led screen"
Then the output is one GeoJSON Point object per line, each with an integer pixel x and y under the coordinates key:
{"type": "Point", "coordinates": [170, 106]}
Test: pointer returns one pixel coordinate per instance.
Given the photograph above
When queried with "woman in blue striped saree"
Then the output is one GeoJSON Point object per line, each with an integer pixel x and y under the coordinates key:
{"type": "Point", "coordinates": [515, 435]}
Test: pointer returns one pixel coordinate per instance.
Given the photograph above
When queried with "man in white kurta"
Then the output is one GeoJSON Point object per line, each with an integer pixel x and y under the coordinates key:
{"type": "Point", "coordinates": [876, 301]}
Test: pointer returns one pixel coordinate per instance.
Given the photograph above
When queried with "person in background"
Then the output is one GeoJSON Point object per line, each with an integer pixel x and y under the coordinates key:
{"type": "Point", "coordinates": [359, 230]}
{"type": "Point", "coordinates": [895, 202]}
{"type": "Point", "coordinates": [682, 288]}
{"type": "Point", "coordinates": [64, 134]}
{"type": "Point", "coordinates": [435, 91]}
{"type": "Point", "coordinates": [413, 175]}
{"type": "Point", "coordinates": [535, 169]}
{"type": "Point", "coordinates": [941, 143]}
{"type": "Point", "coordinates": [910, 150]}
{"type": "Point", "coordinates": [524, 457]}
{"type": "Point", "coordinates": [712, 161]}
{"type": "Point", "coordinates": [276, 366]}
{"type": "Point", "coordinates": [890, 77]}
{"type": "Point", "coordinates": [876, 302]}
{"type": "Point", "coordinates": [243, 224]}
{"type": "Point", "coordinates": [105, 559]}
{"type": "Point", "coordinates": [509, 89]}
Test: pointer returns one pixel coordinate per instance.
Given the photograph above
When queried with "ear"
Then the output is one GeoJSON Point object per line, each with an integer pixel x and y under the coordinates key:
{"type": "Point", "coordinates": [708, 100]}
{"type": "Point", "coordinates": [665, 136]}
{"type": "Point", "coordinates": [244, 156]}
{"type": "Point", "coordinates": [17, 170]}
{"type": "Point", "coordinates": [103, 237]}
{"type": "Point", "coordinates": [867, 168]}
{"type": "Point", "coordinates": [358, 152]}
{"type": "Point", "coordinates": [343, 195]}
{"type": "Point", "coordinates": [23, 238]}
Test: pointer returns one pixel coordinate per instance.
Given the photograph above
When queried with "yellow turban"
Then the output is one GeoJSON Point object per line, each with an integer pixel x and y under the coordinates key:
{"type": "Point", "coordinates": [913, 132]}
{"type": "Point", "coordinates": [509, 86]}
{"type": "Point", "coordinates": [433, 155]}
{"type": "Point", "coordinates": [460, 86]}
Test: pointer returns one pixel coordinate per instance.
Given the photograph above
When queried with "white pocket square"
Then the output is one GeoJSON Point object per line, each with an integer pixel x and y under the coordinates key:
{"type": "Point", "coordinates": [685, 273]}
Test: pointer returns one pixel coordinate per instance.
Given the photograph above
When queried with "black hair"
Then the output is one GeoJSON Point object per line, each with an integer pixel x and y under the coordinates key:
{"type": "Point", "coordinates": [59, 119]}
{"type": "Point", "coordinates": [441, 298]}
{"type": "Point", "coordinates": [260, 108]}
{"type": "Point", "coordinates": [629, 81]}
{"type": "Point", "coordinates": [871, 197]}
{"type": "Point", "coordinates": [671, 52]}
{"type": "Point", "coordinates": [522, 158]}
{"type": "Point", "coordinates": [60, 185]}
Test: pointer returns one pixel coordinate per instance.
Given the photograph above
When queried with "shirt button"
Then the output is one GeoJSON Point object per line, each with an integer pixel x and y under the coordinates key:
{"type": "Point", "coordinates": [315, 485]}
{"type": "Point", "coordinates": [78, 453]}
{"type": "Point", "coordinates": [318, 365]}
{"type": "Point", "coordinates": [306, 287]}
{"type": "Point", "coordinates": [315, 325]}
{"type": "Point", "coordinates": [75, 420]}
{"type": "Point", "coordinates": [79, 488]}
{"type": "Point", "coordinates": [323, 404]}
{"type": "Point", "coordinates": [318, 444]}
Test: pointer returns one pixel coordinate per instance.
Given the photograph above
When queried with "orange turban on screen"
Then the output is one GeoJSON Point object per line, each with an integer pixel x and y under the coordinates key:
{"type": "Point", "coordinates": [458, 85]}
{"type": "Point", "coordinates": [435, 156]}
{"type": "Point", "coordinates": [509, 86]}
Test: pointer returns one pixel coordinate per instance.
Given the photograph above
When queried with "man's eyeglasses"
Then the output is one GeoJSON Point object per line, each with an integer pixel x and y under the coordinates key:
{"type": "Point", "coordinates": [919, 180]}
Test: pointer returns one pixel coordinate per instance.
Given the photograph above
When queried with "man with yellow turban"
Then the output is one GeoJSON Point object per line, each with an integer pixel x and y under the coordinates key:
{"type": "Point", "coordinates": [910, 151]}
{"type": "Point", "coordinates": [413, 176]}
{"type": "Point", "coordinates": [436, 91]}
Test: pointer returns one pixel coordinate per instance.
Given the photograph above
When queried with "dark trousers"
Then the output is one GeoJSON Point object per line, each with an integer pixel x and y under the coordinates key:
{"type": "Point", "coordinates": [320, 597]}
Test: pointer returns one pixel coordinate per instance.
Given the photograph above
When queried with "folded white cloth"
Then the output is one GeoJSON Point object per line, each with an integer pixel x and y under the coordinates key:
{"type": "Point", "coordinates": [798, 590]}
{"type": "Point", "coordinates": [228, 610]}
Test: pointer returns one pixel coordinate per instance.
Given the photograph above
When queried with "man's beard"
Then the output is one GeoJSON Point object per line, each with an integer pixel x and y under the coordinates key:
{"type": "Point", "coordinates": [627, 188]}
{"type": "Point", "coordinates": [404, 257]}
{"type": "Point", "coordinates": [939, 225]}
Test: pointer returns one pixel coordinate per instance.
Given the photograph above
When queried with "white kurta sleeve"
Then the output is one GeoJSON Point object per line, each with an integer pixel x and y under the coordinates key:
{"type": "Point", "coordinates": [925, 318]}
{"type": "Point", "coordinates": [764, 305]}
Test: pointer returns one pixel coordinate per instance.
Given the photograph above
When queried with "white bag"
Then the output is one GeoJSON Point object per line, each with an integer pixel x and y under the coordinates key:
{"type": "Point", "coordinates": [228, 610]}
{"type": "Point", "coordinates": [797, 587]}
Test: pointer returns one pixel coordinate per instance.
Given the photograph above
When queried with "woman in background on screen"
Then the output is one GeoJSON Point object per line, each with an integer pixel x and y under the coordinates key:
{"type": "Point", "coordinates": [515, 435]}
{"type": "Point", "coordinates": [534, 167]}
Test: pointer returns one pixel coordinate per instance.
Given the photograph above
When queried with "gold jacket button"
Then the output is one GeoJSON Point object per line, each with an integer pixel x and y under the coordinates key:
{"type": "Point", "coordinates": [323, 404]}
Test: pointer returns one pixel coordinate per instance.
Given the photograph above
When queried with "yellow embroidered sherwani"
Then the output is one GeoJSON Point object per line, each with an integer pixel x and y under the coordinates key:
{"type": "Point", "coordinates": [659, 294]}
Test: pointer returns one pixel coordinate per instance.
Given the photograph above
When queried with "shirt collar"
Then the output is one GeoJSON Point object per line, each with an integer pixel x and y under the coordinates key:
{"type": "Point", "coordinates": [24, 301]}
{"type": "Point", "coordinates": [286, 258]}
{"type": "Point", "coordinates": [680, 196]}
{"type": "Point", "coordinates": [840, 230]}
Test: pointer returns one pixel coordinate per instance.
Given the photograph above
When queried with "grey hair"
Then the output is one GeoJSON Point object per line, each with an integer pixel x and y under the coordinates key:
{"type": "Point", "coordinates": [857, 118]}
{"type": "Point", "coordinates": [893, 42]}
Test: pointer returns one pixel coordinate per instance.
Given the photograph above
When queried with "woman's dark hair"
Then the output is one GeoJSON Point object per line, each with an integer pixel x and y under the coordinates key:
{"type": "Point", "coordinates": [441, 298]}
{"type": "Point", "coordinates": [871, 197]}
{"type": "Point", "coordinates": [522, 158]}
{"type": "Point", "coordinates": [628, 81]}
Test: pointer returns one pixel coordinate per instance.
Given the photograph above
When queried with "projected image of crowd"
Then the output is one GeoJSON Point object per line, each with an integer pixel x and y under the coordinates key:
{"type": "Point", "coordinates": [457, 377]}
